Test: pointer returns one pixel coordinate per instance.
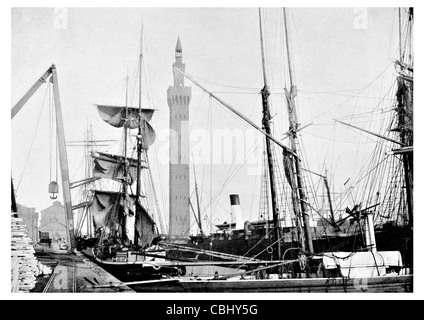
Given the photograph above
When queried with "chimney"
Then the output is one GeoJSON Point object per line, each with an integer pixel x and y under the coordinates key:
{"type": "Point", "coordinates": [236, 211]}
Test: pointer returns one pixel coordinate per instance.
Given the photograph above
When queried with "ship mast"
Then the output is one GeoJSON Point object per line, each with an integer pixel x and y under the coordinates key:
{"type": "Point", "coordinates": [404, 112]}
{"type": "Point", "coordinates": [139, 135]}
{"type": "Point", "coordinates": [125, 180]}
{"type": "Point", "coordinates": [293, 128]}
{"type": "Point", "coordinates": [267, 128]}
{"type": "Point", "coordinates": [199, 216]}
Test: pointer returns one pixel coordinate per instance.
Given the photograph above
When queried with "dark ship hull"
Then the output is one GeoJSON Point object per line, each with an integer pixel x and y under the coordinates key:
{"type": "Point", "coordinates": [388, 237]}
{"type": "Point", "coordinates": [126, 270]}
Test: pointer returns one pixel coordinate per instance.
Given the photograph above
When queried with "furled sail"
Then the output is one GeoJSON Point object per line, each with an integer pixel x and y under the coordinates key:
{"type": "Point", "coordinates": [288, 168]}
{"type": "Point", "coordinates": [108, 213]}
{"type": "Point", "coordinates": [112, 167]}
{"type": "Point", "coordinates": [115, 115]}
{"type": "Point", "coordinates": [144, 226]}
{"type": "Point", "coordinates": [148, 135]}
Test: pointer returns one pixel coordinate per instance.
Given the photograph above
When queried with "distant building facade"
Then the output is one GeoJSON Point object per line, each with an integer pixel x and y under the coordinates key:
{"type": "Point", "coordinates": [30, 220]}
{"type": "Point", "coordinates": [179, 98]}
{"type": "Point", "coordinates": [53, 222]}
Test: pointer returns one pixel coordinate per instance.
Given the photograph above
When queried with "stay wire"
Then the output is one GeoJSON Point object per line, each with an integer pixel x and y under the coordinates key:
{"type": "Point", "coordinates": [32, 142]}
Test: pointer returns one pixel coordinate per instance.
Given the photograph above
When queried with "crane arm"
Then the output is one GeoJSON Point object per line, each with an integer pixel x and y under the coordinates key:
{"type": "Point", "coordinates": [18, 106]}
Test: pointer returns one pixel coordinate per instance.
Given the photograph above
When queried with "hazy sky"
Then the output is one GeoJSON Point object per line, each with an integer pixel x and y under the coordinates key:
{"type": "Point", "coordinates": [343, 67]}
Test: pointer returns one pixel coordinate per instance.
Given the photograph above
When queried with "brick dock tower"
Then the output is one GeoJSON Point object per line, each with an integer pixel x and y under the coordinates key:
{"type": "Point", "coordinates": [179, 151]}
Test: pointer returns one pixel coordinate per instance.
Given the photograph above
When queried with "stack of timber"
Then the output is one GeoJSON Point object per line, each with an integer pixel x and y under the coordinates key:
{"type": "Point", "coordinates": [25, 267]}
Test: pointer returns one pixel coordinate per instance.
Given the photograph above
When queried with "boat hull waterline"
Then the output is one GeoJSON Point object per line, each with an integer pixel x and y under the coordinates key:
{"type": "Point", "coordinates": [395, 284]}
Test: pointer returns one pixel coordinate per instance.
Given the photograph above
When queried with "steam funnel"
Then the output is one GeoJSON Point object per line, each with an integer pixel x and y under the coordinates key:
{"type": "Point", "coordinates": [236, 211]}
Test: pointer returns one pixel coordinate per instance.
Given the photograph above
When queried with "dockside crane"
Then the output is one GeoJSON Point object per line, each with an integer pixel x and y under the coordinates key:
{"type": "Point", "coordinates": [51, 75]}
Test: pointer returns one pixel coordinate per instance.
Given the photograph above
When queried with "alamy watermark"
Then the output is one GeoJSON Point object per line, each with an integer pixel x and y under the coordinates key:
{"type": "Point", "coordinates": [361, 18]}
{"type": "Point", "coordinates": [216, 147]}
{"type": "Point", "coordinates": [60, 20]}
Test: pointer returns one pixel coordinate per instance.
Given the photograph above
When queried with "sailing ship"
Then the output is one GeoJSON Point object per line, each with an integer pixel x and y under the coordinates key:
{"type": "Point", "coordinates": [268, 257]}
{"type": "Point", "coordinates": [303, 254]}
{"type": "Point", "coordinates": [125, 234]}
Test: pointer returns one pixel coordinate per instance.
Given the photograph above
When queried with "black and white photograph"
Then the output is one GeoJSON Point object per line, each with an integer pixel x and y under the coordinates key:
{"type": "Point", "coordinates": [190, 150]}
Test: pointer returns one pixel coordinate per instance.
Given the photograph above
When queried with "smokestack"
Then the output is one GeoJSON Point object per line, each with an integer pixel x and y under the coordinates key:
{"type": "Point", "coordinates": [236, 211]}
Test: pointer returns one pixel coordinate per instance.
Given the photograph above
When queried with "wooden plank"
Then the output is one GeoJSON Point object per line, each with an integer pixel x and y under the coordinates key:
{"type": "Point", "coordinates": [25, 266]}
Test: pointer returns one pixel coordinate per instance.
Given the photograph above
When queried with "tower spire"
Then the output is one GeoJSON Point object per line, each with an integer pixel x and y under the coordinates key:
{"type": "Point", "coordinates": [178, 49]}
{"type": "Point", "coordinates": [178, 78]}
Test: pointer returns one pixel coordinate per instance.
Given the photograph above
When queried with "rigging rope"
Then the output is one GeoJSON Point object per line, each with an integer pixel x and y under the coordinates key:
{"type": "Point", "coordinates": [230, 175]}
{"type": "Point", "coordinates": [32, 142]}
{"type": "Point", "coordinates": [254, 90]}
{"type": "Point", "coordinates": [50, 133]}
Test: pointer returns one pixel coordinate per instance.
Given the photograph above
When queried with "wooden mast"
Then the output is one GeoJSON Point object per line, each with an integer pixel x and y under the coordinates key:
{"type": "Point", "coordinates": [267, 128]}
{"type": "Point", "coordinates": [125, 180]}
{"type": "Point", "coordinates": [404, 99]}
{"type": "Point", "coordinates": [139, 135]}
{"type": "Point", "coordinates": [293, 127]}
{"type": "Point", "coordinates": [330, 203]}
{"type": "Point", "coordinates": [199, 219]}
